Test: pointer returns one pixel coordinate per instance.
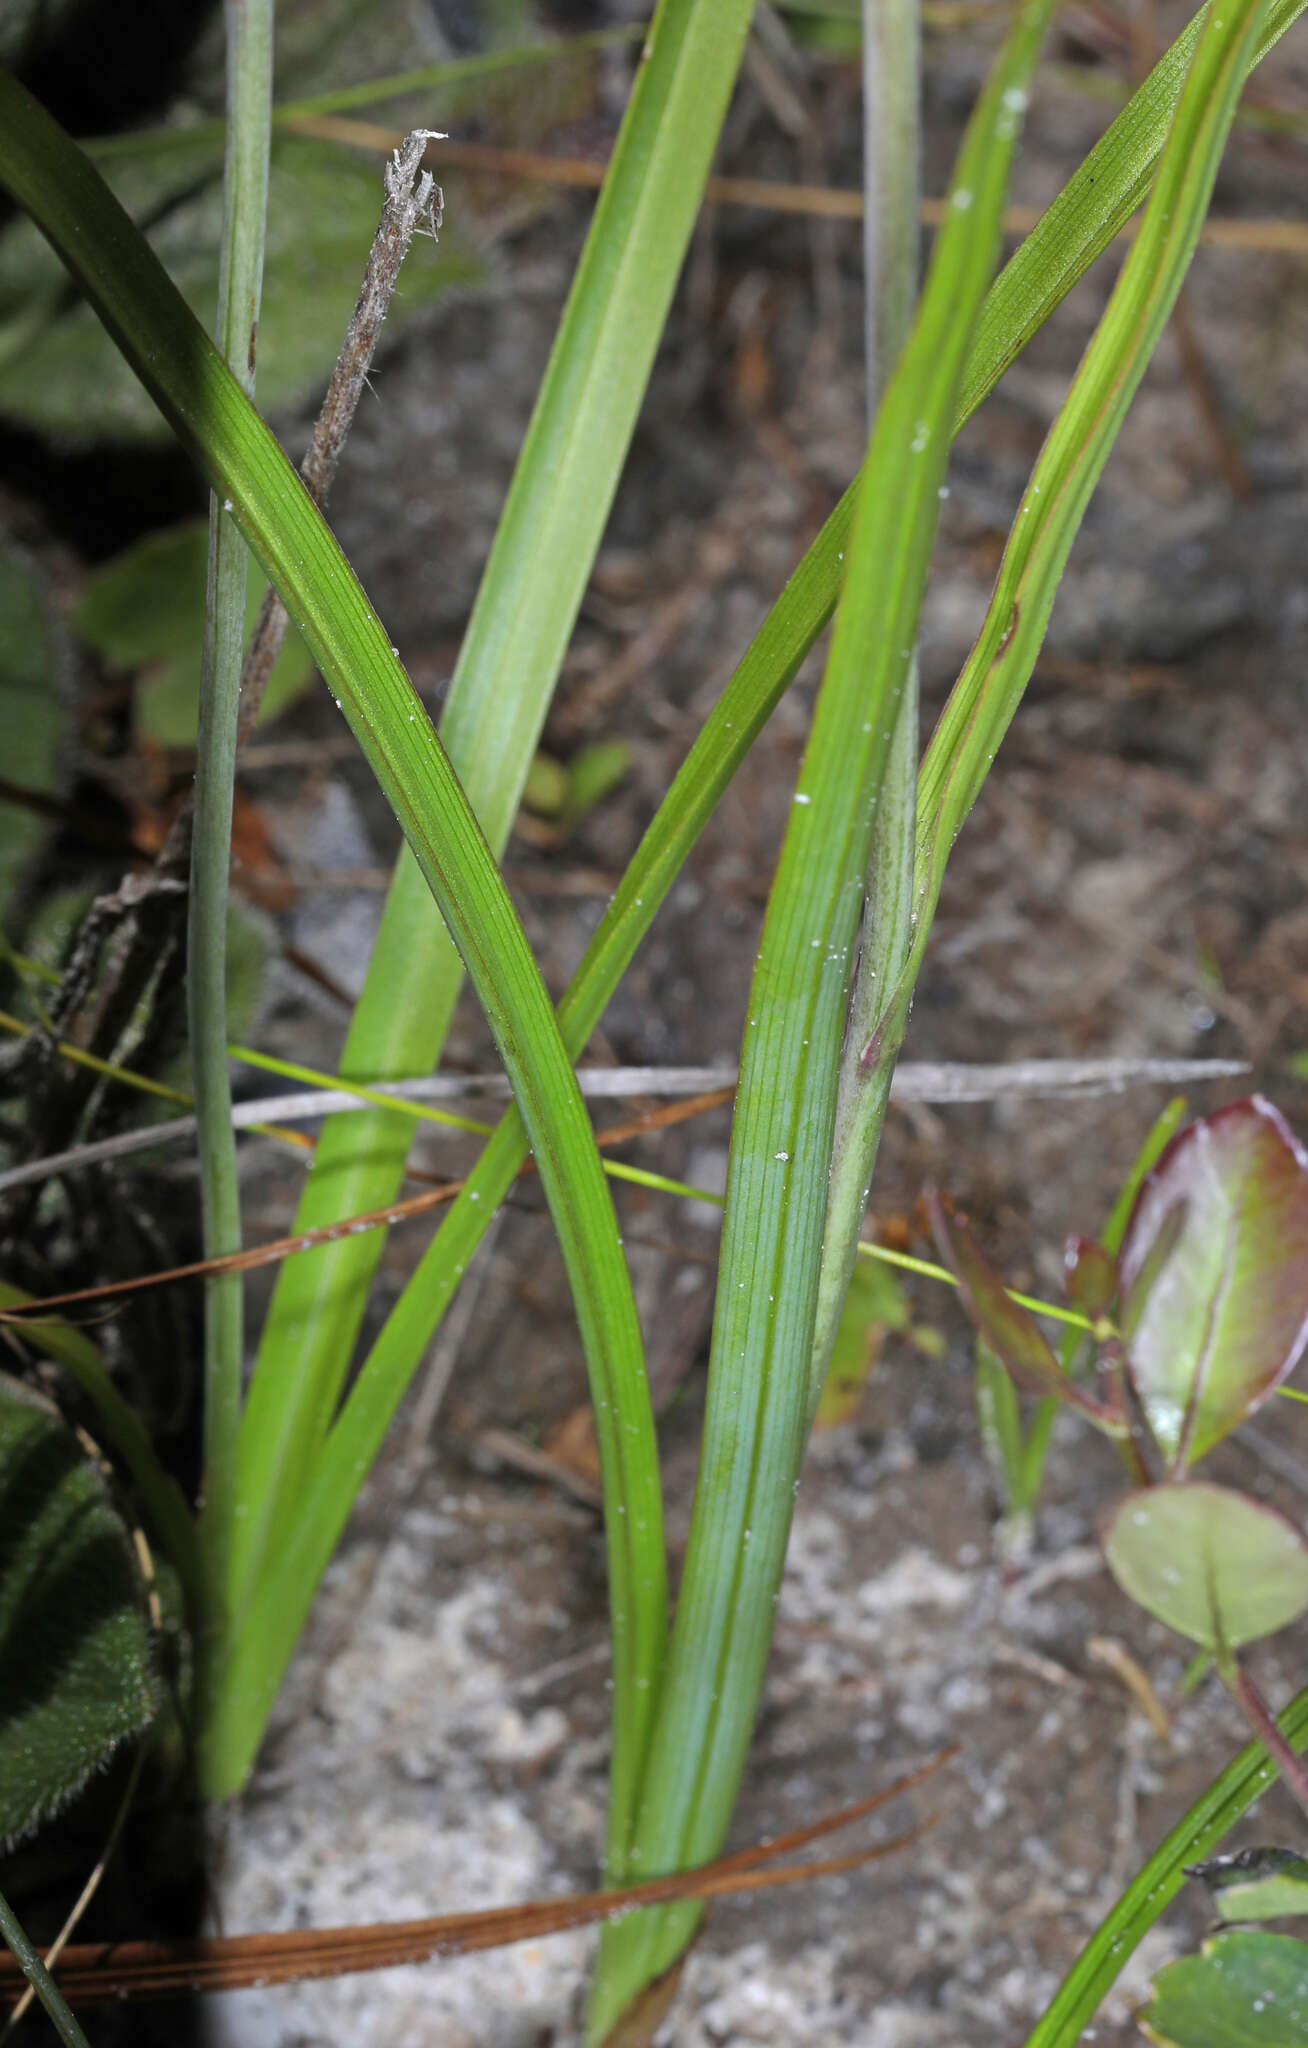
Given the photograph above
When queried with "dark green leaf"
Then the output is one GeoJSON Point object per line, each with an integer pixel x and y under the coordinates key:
{"type": "Point", "coordinates": [1214, 1565]}
{"type": "Point", "coordinates": [60, 371]}
{"type": "Point", "coordinates": [1215, 1276]}
{"type": "Point", "coordinates": [75, 1674]}
{"type": "Point", "coordinates": [144, 611]}
{"type": "Point", "coordinates": [1248, 1989]}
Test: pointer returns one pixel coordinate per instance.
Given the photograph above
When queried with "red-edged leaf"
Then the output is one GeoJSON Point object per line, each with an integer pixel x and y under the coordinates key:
{"type": "Point", "coordinates": [1090, 1277]}
{"type": "Point", "coordinates": [1214, 1565]}
{"type": "Point", "coordinates": [1214, 1272]}
{"type": "Point", "coordinates": [1012, 1334]}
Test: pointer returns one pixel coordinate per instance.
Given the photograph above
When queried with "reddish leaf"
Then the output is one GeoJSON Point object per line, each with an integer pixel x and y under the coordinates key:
{"type": "Point", "coordinates": [1214, 1273]}
{"type": "Point", "coordinates": [1012, 1334]}
{"type": "Point", "coordinates": [1090, 1277]}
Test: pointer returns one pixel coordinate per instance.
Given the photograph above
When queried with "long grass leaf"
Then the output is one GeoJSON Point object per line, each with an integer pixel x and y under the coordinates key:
{"type": "Point", "coordinates": [177, 363]}
{"type": "Point", "coordinates": [1151, 1892]}
{"type": "Point", "coordinates": [240, 283]}
{"type": "Point", "coordinates": [992, 681]}
{"type": "Point", "coordinates": [757, 1416]}
{"type": "Point", "coordinates": [548, 535]}
{"type": "Point", "coordinates": [788, 634]}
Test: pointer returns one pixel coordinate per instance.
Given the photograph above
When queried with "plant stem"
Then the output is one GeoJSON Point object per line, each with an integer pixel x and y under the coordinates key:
{"type": "Point", "coordinates": [245, 187]}
{"type": "Point", "coordinates": [892, 39]}
{"type": "Point", "coordinates": [29, 1962]}
{"type": "Point", "coordinates": [1263, 1722]}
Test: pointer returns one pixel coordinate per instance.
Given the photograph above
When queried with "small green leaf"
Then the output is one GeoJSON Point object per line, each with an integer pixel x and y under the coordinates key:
{"type": "Point", "coordinates": [1012, 1334]}
{"type": "Point", "coordinates": [1215, 1277]}
{"type": "Point", "coordinates": [1214, 1565]}
{"type": "Point", "coordinates": [1256, 1884]}
{"type": "Point", "coordinates": [75, 1672]}
{"type": "Point", "coordinates": [546, 789]}
{"type": "Point", "coordinates": [144, 611]}
{"type": "Point", "coordinates": [875, 1303]}
{"type": "Point", "coordinates": [592, 775]}
{"type": "Point", "coordinates": [1248, 1989]}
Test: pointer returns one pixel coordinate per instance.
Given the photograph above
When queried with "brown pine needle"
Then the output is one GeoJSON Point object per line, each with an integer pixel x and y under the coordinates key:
{"type": "Point", "coordinates": [402, 1211]}
{"type": "Point", "coordinates": [142, 1969]}
{"type": "Point", "coordinates": [828, 202]}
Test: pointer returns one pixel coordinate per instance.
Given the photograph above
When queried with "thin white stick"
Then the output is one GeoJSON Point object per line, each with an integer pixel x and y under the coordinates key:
{"type": "Point", "coordinates": [915, 1081]}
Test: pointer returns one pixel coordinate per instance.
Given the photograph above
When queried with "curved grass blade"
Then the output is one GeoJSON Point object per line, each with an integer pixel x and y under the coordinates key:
{"type": "Point", "coordinates": [1148, 1896]}
{"type": "Point", "coordinates": [316, 1309]}
{"type": "Point", "coordinates": [758, 1413]}
{"type": "Point", "coordinates": [281, 1602]}
{"type": "Point", "coordinates": [989, 689]}
{"type": "Point", "coordinates": [1095, 203]}
{"type": "Point", "coordinates": [547, 539]}
{"type": "Point", "coordinates": [209, 412]}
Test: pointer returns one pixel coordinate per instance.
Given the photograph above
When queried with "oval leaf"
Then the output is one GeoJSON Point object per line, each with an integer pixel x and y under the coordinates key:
{"type": "Point", "coordinates": [1215, 1277]}
{"type": "Point", "coordinates": [1248, 1989]}
{"type": "Point", "coordinates": [75, 1671]}
{"type": "Point", "coordinates": [1213, 1564]}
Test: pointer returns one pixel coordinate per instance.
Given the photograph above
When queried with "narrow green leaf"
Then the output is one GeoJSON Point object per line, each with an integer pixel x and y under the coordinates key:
{"type": "Point", "coordinates": [760, 1366]}
{"type": "Point", "coordinates": [1215, 1277]}
{"type": "Point", "coordinates": [548, 535]}
{"type": "Point", "coordinates": [1248, 1989]}
{"type": "Point", "coordinates": [1221, 1569]}
{"type": "Point", "coordinates": [989, 689]}
{"type": "Point", "coordinates": [75, 1670]}
{"type": "Point", "coordinates": [774, 657]}
{"type": "Point", "coordinates": [1097, 200]}
{"type": "Point", "coordinates": [51, 177]}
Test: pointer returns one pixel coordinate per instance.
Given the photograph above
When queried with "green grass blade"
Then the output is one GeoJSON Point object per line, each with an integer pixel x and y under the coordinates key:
{"type": "Point", "coordinates": [525, 610]}
{"type": "Point", "coordinates": [892, 149]}
{"type": "Point", "coordinates": [1097, 200]}
{"type": "Point", "coordinates": [774, 657]}
{"type": "Point", "coordinates": [756, 1423]}
{"type": "Point", "coordinates": [206, 407]}
{"type": "Point", "coordinates": [240, 283]}
{"type": "Point", "coordinates": [1148, 1896]}
{"type": "Point", "coordinates": [990, 686]}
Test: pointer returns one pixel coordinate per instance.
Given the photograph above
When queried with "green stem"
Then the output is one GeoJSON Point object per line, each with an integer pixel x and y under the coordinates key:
{"type": "Point", "coordinates": [29, 1962]}
{"type": "Point", "coordinates": [892, 37]}
{"type": "Point", "coordinates": [245, 189]}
